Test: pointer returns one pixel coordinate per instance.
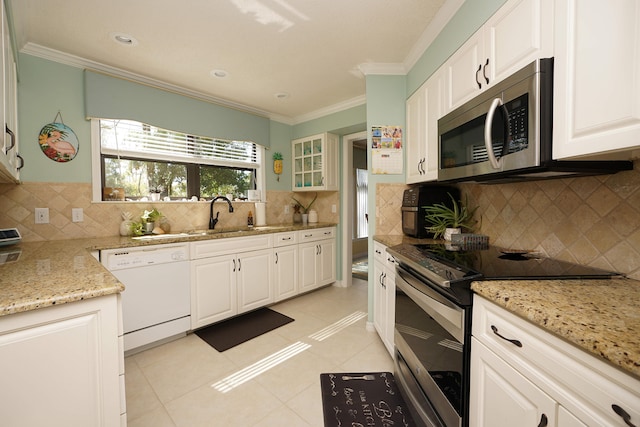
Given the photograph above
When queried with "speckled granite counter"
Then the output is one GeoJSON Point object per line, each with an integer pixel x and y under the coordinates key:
{"type": "Point", "coordinates": [42, 274]}
{"type": "Point", "coordinates": [50, 273]}
{"type": "Point", "coordinates": [599, 316]}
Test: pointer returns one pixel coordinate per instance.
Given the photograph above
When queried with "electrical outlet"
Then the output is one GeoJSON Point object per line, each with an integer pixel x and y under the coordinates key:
{"type": "Point", "coordinates": [77, 215]}
{"type": "Point", "coordinates": [42, 215]}
{"type": "Point", "coordinates": [286, 209]}
{"type": "Point", "coordinates": [334, 209]}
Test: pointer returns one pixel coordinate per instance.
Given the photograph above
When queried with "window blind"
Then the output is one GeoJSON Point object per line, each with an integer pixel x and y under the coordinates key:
{"type": "Point", "coordinates": [125, 138]}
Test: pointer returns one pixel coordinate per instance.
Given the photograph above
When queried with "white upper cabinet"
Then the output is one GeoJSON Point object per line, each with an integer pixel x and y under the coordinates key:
{"type": "Point", "coordinates": [596, 78]}
{"type": "Point", "coordinates": [519, 33]}
{"type": "Point", "coordinates": [424, 108]}
{"type": "Point", "coordinates": [315, 163]}
{"type": "Point", "coordinates": [10, 161]}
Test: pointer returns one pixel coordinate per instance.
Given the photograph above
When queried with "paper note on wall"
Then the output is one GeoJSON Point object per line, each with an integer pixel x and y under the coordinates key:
{"type": "Point", "coordinates": [386, 150]}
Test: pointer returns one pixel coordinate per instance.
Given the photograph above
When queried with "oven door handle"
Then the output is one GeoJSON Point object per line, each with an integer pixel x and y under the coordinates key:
{"type": "Point", "coordinates": [449, 315]}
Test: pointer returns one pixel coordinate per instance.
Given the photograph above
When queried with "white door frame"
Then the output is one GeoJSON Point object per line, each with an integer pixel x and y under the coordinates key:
{"type": "Point", "coordinates": [347, 203]}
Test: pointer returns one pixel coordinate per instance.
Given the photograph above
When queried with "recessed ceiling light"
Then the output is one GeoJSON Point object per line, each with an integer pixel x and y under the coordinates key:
{"type": "Point", "coordinates": [124, 39]}
{"type": "Point", "coordinates": [282, 95]}
{"type": "Point", "coordinates": [220, 74]}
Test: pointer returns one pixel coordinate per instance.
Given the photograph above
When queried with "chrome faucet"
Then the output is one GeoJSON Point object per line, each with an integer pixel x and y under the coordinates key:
{"type": "Point", "coordinates": [213, 221]}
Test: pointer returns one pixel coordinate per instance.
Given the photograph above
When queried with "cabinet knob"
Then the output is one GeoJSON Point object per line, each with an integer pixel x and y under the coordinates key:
{"type": "Point", "coordinates": [623, 414]}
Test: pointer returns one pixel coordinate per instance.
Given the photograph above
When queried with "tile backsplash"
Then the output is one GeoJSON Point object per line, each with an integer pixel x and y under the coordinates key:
{"type": "Point", "coordinates": [18, 203]}
{"type": "Point", "coordinates": [590, 221]}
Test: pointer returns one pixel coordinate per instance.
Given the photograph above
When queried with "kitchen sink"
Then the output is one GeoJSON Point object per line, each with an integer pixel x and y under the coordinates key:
{"type": "Point", "coordinates": [160, 236]}
{"type": "Point", "coordinates": [217, 231]}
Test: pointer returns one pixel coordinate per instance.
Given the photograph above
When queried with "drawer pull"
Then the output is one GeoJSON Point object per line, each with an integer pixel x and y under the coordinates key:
{"type": "Point", "coordinates": [623, 414]}
{"type": "Point", "coordinates": [543, 421]}
{"type": "Point", "coordinates": [514, 342]}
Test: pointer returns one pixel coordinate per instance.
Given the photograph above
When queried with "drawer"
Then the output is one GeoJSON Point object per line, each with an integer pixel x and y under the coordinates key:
{"type": "Point", "coordinates": [315, 234]}
{"type": "Point", "coordinates": [380, 252]}
{"type": "Point", "coordinates": [231, 245]}
{"type": "Point", "coordinates": [285, 239]}
{"type": "Point", "coordinates": [579, 381]}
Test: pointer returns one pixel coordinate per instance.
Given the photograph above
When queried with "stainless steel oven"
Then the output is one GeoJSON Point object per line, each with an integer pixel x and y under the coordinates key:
{"type": "Point", "coordinates": [433, 319]}
{"type": "Point", "coordinates": [432, 337]}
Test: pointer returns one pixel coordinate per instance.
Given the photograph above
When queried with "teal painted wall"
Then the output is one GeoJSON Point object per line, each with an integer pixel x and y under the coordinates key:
{"type": "Point", "coordinates": [385, 106]}
{"type": "Point", "coordinates": [280, 136]}
{"type": "Point", "coordinates": [467, 20]}
{"type": "Point", "coordinates": [46, 87]}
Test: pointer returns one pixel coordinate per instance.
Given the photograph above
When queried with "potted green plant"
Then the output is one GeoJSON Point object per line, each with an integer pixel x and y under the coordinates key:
{"type": "Point", "coordinates": [443, 220]}
{"type": "Point", "coordinates": [305, 208]}
{"type": "Point", "coordinates": [149, 219]}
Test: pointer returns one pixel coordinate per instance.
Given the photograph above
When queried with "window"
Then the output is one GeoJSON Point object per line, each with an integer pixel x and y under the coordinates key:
{"type": "Point", "coordinates": [138, 160]}
{"type": "Point", "coordinates": [362, 189]}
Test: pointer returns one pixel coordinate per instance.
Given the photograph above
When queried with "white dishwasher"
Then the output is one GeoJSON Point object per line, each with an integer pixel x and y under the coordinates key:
{"type": "Point", "coordinates": [156, 302]}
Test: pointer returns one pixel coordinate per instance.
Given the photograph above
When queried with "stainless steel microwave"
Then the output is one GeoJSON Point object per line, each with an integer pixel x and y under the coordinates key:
{"type": "Point", "coordinates": [505, 134]}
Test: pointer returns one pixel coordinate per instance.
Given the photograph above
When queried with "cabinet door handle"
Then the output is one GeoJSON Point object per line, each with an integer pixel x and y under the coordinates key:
{"type": "Point", "coordinates": [543, 421]}
{"type": "Point", "coordinates": [319, 249]}
{"type": "Point", "coordinates": [623, 414]}
{"type": "Point", "coordinates": [384, 277]}
{"type": "Point", "coordinates": [234, 265]}
{"type": "Point", "coordinates": [484, 71]}
{"type": "Point", "coordinates": [13, 139]}
{"type": "Point", "coordinates": [276, 257]}
{"type": "Point", "coordinates": [478, 81]}
{"type": "Point", "coordinates": [21, 161]}
{"type": "Point", "coordinates": [514, 342]}
{"type": "Point", "coordinates": [239, 264]}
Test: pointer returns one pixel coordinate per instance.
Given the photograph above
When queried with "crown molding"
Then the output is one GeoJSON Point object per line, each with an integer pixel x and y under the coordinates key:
{"type": "Point", "coordinates": [335, 108]}
{"type": "Point", "coordinates": [79, 62]}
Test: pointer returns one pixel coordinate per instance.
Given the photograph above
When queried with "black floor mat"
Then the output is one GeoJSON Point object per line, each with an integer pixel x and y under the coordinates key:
{"type": "Point", "coordinates": [229, 333]}
{"type": "Point", "coordinates": [367, 399]}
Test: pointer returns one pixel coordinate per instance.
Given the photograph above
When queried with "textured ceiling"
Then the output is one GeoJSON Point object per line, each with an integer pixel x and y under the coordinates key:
{"type": "Point", "coordinates": [309, 49]}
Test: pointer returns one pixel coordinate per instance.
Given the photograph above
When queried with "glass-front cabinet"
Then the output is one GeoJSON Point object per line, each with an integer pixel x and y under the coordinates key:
{"type": "Point", "coordinates": [315, 163]}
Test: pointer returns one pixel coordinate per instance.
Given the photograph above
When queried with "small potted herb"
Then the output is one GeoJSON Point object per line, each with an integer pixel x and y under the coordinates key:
{"type": "Point", "coordinates": [443, 220]}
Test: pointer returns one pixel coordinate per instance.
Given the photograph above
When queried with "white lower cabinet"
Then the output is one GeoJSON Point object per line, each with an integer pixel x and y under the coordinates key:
{"type": "Point", "coordinates": [61, 366]}
{"type": "Point", "coordinates": [225, 285]}
{"type": "Point", "coordinates": [523, 375]}
{"type": "Point", "coordinates": [384, 293]}
{"type": "Point", "coordinates": [285, 265]}
{"type": "Point", "coordinates": [503, 397]}
{"type": "Point", "coordinates": [317, 258]}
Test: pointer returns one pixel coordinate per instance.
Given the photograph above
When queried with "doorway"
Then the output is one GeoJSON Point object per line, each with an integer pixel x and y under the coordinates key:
{"type": "Point", "coordinates": [354, 199]}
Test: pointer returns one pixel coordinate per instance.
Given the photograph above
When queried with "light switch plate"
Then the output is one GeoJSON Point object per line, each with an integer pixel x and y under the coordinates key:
{"type": "Point", "coordinates": [77, 215]}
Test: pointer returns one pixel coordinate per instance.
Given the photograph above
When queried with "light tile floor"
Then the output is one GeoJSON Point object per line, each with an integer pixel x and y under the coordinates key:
{"type": "Point", "coordinates": [174, 385]}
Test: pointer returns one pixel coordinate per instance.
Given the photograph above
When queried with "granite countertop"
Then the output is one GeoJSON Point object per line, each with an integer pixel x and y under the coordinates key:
{"type": "Point", "coordinates": [42, 274]}
{"type": "Point", "coordinates": [601, 317]}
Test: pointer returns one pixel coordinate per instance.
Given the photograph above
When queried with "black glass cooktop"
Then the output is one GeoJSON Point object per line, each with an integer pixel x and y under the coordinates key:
{"type": "Point", "coordinates": [496, 263]}
{"type": "Point", "coordinates": [453, 268]}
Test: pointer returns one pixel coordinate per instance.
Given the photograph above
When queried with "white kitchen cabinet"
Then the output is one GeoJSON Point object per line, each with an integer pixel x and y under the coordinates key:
{"type": "Point", "coordinates": [315, 163]}
{"type": "Point", "coordinates": [424, 108]}
{"type": "Point", "coordinates": [317, 258]}
{"type": "Point", "coordinates": [596, 78]}
{"type": "Point", "coordinates": [285, 259]}
{"type": "Point", "coordinates": [503, 397]}
{"type": "Point", "coordinates": [509, 353]}
{"type": "Point", "coordinates": [229, 277]}
{"type": "Point", "coordinates": [520, 32]}
{"type": "Point", "coordinates": [384, 292]}
{"type": "Point", "coordinates": [10, 162]}
{"type": "Point", "coordinates": [61, 366]}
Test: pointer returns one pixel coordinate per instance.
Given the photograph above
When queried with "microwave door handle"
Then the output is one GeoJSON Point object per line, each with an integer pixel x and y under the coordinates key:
{"type": "Point", "coordinates": [495, 163]}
